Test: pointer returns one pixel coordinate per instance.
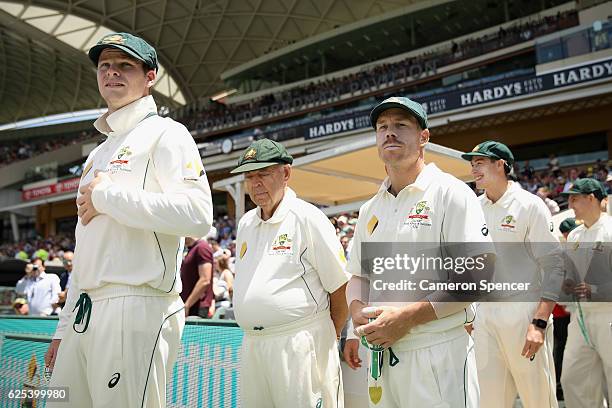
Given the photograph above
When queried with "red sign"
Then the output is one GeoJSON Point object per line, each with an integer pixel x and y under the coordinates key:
{"type": "Point", "coordinates": [64, 186]}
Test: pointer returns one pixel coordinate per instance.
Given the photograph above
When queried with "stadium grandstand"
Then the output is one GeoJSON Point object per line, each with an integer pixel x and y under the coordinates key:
{"type": "Point", "coordinates": [535, 75]}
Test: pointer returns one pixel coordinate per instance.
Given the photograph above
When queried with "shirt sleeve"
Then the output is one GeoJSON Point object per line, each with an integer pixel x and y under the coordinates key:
{"type": "Point", "coordinates": [327, 254]}
{"type": "Point", "coordinates": [353, 266]}
{"type": "Point", "coordinates": [204, 254]}
{"type": "Point", "coordinates": [464, 227]}
{"type": "Point", "coordinates": [183, 208]}
{"type": "Point", "coordinates": [20, 288]}
{"type": "Point", "coordinates": [464, 222]}
{"type": "Point", "coordinates": [66, 315]}
{"type": "Point", "coordinates": [546, 250]}
{"type": "Point", "coordinates": [55, 289]}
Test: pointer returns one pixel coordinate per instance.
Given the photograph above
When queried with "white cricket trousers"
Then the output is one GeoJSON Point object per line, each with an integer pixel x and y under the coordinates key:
{"type": "Point", "coordinates": [435, 370]}
{"type": "Point", "coordinates": [126, 354]}
{"type": "Point", "coordinates": [587, 368]}
{"type": "Point", "coordinates": [296, 365]}
{"type": "Point", "coordinates": [500, 330]}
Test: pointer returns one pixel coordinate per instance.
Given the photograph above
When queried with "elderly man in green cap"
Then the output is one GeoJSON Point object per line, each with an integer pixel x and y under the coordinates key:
{"type": "Point", "coordinates": [141, 191]}
{"type": "Point", "coordinates": [587, 361]}
{"type": "Point", "coordinates": [421, 354]}
{"type": "Point", "coordinates": [289, 291]}
{"type": "Point", "coordinates": [512, 327]}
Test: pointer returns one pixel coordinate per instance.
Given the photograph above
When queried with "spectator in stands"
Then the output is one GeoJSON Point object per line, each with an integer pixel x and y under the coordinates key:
{"type": "Point", "coordinates": [345, 240]}
{"type": "Point", "coordinates": [197, 278]}
{"type": "Point", "coordinates": [553, 164]}
{"type": "Point", "coordinates": [216, 248]}
{"type": "Point", "coordinates": [223, 281]}
{"type": "Point", "coordinates": [543, 193]}
{"type": "Point", "coordinates": [571, 178]}
{"type": "Point", "coordinates": [21, 254]}
{"type": "Point", "coordinates": [559, 185]}
{"type": "Point", "coordinates": [216, 115]}
{"type": "Point", "coordinates": [531, 185]}
{"type": "Point", "coordinates": [41, 290]}
{"type": "Point", "coordinates": [602, 175]}
{"type": "Point", "coordinates": [15, 150]}
{"type": "Point", "coordinates": [20, 307]}
{"type": "Point", "coordinates": [527, 170]}
{"type": "Point", "coordinates": [65, 277]}
{"type": "Point", "coordinates": [42, 254]}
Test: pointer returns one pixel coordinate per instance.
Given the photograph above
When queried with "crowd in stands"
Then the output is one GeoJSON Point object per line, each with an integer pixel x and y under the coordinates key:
{"type": "Point", "coordinates": [50, 250]}
{"type": "Point", "coordinates": [551, 182]}
{"type": "Point", "coordinates": [455, 52]}
{"type": "Point", "coordinates": [12, 151]}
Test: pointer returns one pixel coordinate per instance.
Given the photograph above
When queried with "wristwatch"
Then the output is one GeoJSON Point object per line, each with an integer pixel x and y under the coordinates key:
{"type": "Point", "coordinates": [539, 323]}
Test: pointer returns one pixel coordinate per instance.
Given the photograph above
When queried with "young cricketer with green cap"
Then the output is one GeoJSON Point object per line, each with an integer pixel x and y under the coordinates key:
{"type": "Point", "coordinates": [141, 191]}
{"type": "Point", "coordinates": [289, 291]}
{"type": "Point", "coordinates": [513, 331]}
{"type": "Point", "coordinates": [587, 361]}
{"type": "Point", "coordinates": [428, 360]}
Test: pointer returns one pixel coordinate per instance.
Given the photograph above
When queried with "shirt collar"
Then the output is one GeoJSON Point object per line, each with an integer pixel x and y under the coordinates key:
{"type": "Point", "coordinates": [599, 223]}
{"type": "Point", "coordinates": [282, 210]}
{"type": "Point", "coordinates": [126, 118]}
{"type": "Point", "coordinates": [423, 180]}
{"type": "Point", "coordinates": [506, 198]}
{"type": "Point", "coordinates": [39, 277]}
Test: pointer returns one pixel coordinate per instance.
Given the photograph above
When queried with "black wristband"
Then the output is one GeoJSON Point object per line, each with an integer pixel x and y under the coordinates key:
{"type": "Point", "coordinates": [539, 323]}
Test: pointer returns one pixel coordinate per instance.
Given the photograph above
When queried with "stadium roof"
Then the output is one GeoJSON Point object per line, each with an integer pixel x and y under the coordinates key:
{"type": "Point", "coordinates": [44, 69]}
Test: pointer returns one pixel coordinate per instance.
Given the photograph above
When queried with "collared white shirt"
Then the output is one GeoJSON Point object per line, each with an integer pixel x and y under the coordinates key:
{"type": "Point", "coordinates": [155, 193]}
{"type": "Point", "coordinates": [521, 227]}
{"type": "Point", "coordinates": [590, 249]}
{"type": "Point", "coordinates": [436, 208]}
{"type": "Point", "coordinates": [286, 266]}
{"type": "Point", "coordinates": [41, 292]}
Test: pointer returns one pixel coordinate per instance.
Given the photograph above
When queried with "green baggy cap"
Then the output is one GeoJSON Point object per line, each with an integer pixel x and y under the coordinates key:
{"type": "Point", "coordinates": [262, 153]}
{"type": "Point", "coordinates": [410, 106]}
{"type": "Point", "coordinates": [587, 186]}
{"type": "Point", "coordinates": [128, 43]}
{"type": "Point", "coordinates": [567, 225]}
{"type": "Point", "coordinates": [493, 150]}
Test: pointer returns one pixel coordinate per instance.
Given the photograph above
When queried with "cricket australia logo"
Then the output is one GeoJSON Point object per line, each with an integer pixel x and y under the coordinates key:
{"type": "Point", "coordinates": [282, 245]}
{"type": "Point", "coordinates": [122, 162]}
{"type": "Point", "coordinates": [508, 224]}
{"type": "Point", "coordinates": [124, 152]}
{"type": "Point", "coordinates": [419, 215]}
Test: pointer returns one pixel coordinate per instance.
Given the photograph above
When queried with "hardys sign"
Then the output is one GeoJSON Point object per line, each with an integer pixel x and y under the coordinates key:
{"type": "Point", "coordinates": [495, 91]}
{"type": "Point", "coordinates": [332, 127]}
{"type": "Point", "coordinates": [513, 88]}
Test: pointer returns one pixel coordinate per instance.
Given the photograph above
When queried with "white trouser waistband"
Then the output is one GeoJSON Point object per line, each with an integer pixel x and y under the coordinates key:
{"type": "Point", "coordinates": [289, 328]}
{"type": "Point", "coordinates": [112, 290]}
{"type": "Point", "coordinates": [421, 340]}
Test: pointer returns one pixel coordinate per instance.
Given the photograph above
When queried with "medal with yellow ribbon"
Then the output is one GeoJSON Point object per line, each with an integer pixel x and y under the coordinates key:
{"type": "Point", "coordinates": [377, 354]}
{"type": "Point", "coordinates": [375, 369]}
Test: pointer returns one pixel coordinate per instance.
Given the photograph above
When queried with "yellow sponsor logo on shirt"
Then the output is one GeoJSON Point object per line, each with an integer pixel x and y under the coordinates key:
{"type": "Point", "coordinates": [87, 169]}
{"type": "Point", "coordinates": [372, 224]}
